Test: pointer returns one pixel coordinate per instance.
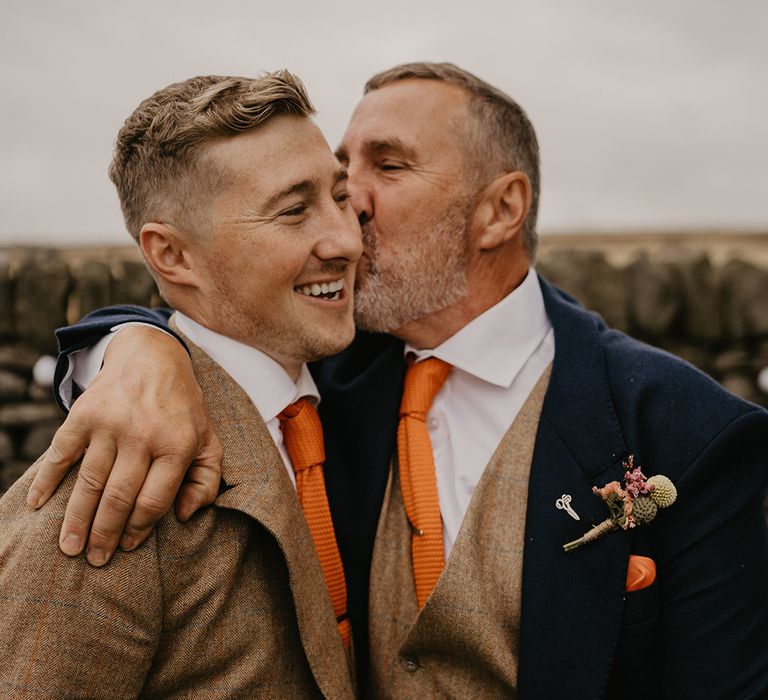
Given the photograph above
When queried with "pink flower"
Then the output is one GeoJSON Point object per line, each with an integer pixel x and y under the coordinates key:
{"type": "Point", "coordinates": [635, 480]}
{"type": "Point", "coordinates": [612, 488]}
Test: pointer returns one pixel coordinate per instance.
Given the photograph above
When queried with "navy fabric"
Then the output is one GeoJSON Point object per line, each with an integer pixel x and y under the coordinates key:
{"type": "Point", "coordinates": [702, 629]}
{"type": "Point", "coordinates": [96, 325]}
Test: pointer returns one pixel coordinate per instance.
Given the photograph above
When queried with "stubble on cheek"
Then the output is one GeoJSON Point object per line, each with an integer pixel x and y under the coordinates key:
{"type": "Point", "coordinates": [422, 278]}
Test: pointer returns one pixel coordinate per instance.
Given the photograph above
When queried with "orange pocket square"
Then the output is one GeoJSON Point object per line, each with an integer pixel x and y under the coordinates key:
{"type": "Point", "coordinates": [641, 572]}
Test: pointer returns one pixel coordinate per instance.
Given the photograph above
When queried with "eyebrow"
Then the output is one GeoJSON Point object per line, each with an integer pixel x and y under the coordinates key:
{"type": "Point", "coordinates": [308, 186]}
{"type": "Point", "coordinates": [379, 147]}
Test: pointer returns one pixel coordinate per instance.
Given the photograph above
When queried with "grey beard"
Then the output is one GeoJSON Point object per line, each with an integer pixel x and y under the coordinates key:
{"type": "Point", "coordinates": [429, 277]}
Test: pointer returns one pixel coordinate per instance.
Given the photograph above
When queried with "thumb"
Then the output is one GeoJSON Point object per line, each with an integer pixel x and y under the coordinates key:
{"type": "Point", "coordinates": [66, 449]}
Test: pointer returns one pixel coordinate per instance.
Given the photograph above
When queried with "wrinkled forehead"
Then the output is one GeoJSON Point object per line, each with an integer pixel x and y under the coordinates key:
{"type": "Point", "coordinates": [418, 113]}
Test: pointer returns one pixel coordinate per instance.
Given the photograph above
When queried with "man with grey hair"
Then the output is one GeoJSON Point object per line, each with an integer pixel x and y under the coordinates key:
{"type": "Point", "coordinates": [463, 446]}
{"type": "Point", "coordinates": [232, 194]}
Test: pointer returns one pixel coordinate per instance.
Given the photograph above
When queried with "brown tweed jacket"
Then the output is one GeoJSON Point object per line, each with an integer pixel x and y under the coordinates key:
{"type": "Point", "coordinates": [231, 604]}
{"type": "Point", "coordinates": [464, 642]}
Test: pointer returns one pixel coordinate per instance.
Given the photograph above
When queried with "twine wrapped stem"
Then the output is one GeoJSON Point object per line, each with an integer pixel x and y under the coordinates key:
{"type": "Point", "coordinates": [595, 533]}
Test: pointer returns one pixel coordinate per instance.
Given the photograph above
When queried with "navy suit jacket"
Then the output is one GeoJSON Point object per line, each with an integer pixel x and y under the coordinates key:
{"type": "Point", "coordinates": [699, 631]}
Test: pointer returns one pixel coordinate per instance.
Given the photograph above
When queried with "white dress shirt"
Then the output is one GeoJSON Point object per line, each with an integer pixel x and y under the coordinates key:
{"type": "Point", "coordinates": [497, 358]}
{"type": "Point", "coordinates": [264, 380]}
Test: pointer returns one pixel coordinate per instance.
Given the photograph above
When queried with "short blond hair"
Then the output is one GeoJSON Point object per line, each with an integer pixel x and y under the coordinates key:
{"type": "Point", "coordinates": [159, 167]}
{"type": "Point", "coordinates": [500, 137]}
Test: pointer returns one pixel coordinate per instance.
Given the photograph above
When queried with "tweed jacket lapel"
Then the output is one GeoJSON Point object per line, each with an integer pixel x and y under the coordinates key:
{"type": "Point", "coordinates": [255, 482]}
{"type": "Point", "coordinates": [572, 603]}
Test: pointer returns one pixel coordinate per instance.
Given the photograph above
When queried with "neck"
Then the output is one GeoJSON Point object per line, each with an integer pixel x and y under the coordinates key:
{"type": "Point", "coordinates": [291, 367]}
{"type": "Point", "coordinates": [213, 322]}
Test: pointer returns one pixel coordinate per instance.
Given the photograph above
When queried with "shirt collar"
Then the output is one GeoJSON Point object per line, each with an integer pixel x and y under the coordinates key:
{"type": "Point", "coordinates": [495, 345]}
{"type": "Point", "coordinates": [268, 385]}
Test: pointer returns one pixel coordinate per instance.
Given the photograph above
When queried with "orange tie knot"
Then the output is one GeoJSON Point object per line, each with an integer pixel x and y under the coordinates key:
{"type": "Point", "coordinates": [422, 382]}
{"type": "Point", "coordinates": [302, 434]}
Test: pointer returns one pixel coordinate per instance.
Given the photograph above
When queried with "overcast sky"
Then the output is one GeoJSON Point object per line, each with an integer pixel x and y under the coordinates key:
{"type": "Point", "coordinates": [650, 114]}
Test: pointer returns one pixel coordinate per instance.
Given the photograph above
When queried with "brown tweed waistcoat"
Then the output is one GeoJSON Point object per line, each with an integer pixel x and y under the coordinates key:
{"type": "Point", "coordinates": [464, 643]}
{"type": "Point", "coordinates": [231, 604]}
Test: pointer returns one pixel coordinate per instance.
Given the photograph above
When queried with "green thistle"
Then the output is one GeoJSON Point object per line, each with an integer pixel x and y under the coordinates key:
{"type": "Point", "coordinates": [644, 509]}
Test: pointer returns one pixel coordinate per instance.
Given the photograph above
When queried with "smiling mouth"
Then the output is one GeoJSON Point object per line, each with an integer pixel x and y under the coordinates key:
{"type": "Point", "coordinates": [331, 291]}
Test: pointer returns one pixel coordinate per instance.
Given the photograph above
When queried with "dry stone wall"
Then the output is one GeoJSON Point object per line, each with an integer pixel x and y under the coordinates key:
{"type": "Point", "coordinates": [704, 298]}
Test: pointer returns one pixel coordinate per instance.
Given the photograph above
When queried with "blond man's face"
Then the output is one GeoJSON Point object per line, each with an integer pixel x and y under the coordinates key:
{"type": "Point", "coordinates": [280, 262]}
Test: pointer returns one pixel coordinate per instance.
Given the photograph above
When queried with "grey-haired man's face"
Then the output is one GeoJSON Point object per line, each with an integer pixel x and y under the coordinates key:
{"type": "Point", "coordinates": [407, 183]}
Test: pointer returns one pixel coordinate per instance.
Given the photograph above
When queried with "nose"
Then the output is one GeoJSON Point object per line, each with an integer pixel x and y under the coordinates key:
{"type": "Point", "coordinates": [340, 237]}
{"type": "Point", "coordinates": [360, 195]}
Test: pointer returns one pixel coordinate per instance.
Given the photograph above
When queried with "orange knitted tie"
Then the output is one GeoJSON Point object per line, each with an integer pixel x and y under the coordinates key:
{"type": "Point", "coordinates": [303, 436]}
{"type": "Point", "coordinates": [417, 473]}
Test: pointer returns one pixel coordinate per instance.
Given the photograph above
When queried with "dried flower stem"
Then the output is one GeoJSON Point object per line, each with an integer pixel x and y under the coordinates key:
{"type": "Point", "coordinates": [595, 533]}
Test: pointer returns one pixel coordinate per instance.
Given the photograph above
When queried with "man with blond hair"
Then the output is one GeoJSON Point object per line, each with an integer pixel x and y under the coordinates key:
{"type": "Point", "coordinates": [464, 444]}
{"type": "Point", "coordinates": [233, 195]}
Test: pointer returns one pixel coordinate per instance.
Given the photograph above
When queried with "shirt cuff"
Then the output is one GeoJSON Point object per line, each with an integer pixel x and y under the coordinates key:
{"type": "Point", "coordinates": [85, 364]}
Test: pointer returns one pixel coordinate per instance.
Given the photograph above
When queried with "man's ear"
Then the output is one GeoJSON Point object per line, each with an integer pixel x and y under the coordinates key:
{"type": "Point", "coordinates": [503, 209]}
{"type": "Point", "coordinates": [168, 254]}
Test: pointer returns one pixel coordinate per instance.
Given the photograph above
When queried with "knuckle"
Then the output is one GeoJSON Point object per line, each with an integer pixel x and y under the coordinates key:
{"type": "Point", "coordinates": [150, 508]}
{"type": "Point", "coordinates": [86, 411]}
{"type": "Point", "coordinates": [90, 482]}
{"type": "Point", "coordinates": [118, 498]}
{"type": "Point", "coordinates": [185, 438]}
{"type": "Point", "coordinates": [54, 455]}
{"type": "Point", "coordinates": [134, 445]}
{"type": "Point", "coordinates": [65, 448]}
{"type": "Point", "coordinates": [100, 537]}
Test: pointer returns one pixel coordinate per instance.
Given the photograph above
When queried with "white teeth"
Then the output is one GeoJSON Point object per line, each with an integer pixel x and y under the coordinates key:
{"type": "Point", "coordinates": [314, 290]}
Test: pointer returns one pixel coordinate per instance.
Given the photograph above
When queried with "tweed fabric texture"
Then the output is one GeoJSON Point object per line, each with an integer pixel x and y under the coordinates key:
{"type": "Point", "coordinates": [464, 642]}
{"type": "Point", "coordinates": [418, 481]}
{"type": "Point", "coordinates": [303, 435]}
{"type": "Point", "coordinates": [230, 604]}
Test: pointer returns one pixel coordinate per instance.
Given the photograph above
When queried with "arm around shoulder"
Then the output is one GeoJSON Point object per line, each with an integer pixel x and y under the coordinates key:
{"type": "Point", "coordinates": [133, 458]}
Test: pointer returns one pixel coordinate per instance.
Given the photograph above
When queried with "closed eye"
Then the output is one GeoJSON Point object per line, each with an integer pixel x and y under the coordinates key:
{"type": "Point", "coordinates": [298, 210]}
{"type": "Point", "coordinates": [390, 167]}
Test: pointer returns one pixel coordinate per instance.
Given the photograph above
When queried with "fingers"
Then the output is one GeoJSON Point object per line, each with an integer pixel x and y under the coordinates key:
{"type": "Point", "coordinates": [155, 498]}
{"type": "Point", "coordinates": [86, 493]}
{"type": "Point", "coordinates": [198, 445]}
{"type": "Point", "coordinates": [125, 413]}
{"type": "Point", "coordinates": [200, 487]}
{"type": "Point", "coordinates": [121, 494]}
{"type": "Point", "coordinates": [201, 484]}
{"type": "Point", "coordinates": [66, 449]}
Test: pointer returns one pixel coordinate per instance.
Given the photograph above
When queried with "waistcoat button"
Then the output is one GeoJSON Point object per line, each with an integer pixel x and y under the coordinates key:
{"type": "Point", "coordinates": [409, 663]}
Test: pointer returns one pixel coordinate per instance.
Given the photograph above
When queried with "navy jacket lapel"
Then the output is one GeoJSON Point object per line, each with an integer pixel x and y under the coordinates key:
{"type": "Point", "coordinates": [361, 390]}
{"type": "Point", "coordinates": [572, 603]}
